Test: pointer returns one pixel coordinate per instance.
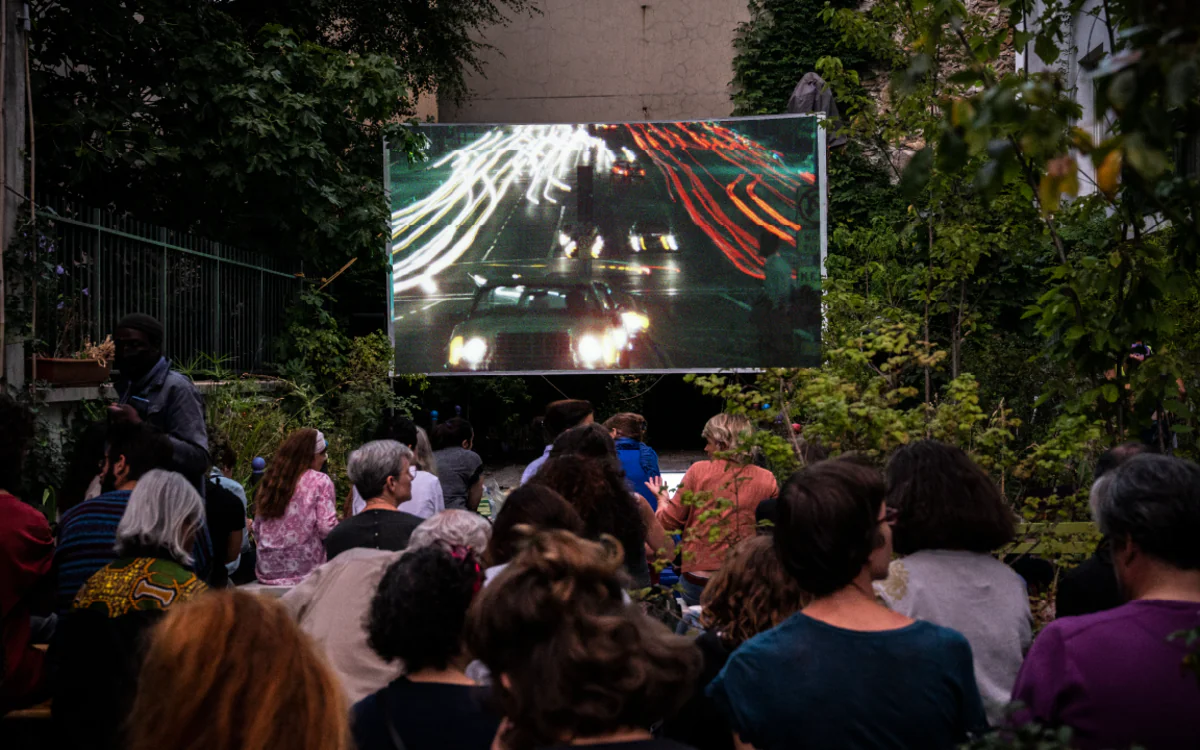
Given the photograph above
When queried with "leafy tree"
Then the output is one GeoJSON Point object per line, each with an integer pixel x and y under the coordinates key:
{"type": "Point", "coordinates": [433, 42]}
{"type": "Point", "coordinates": [218, 118]}
{"type": "Point", "coordinates": [780, 43]}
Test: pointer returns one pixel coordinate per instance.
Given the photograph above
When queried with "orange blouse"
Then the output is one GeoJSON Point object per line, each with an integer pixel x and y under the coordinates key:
{"type": "Point", "coordinates": [735, 491]}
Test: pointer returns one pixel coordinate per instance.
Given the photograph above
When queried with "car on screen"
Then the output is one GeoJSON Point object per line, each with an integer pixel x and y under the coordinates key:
{"type": "Point", "coordinates": [542, 325]}
{"type": "Point", "coordinates": [625, 169]}
{"type": "Point", "coordinates": [653, 235]}
{"type": "Point", "coordinates": [580, 239]}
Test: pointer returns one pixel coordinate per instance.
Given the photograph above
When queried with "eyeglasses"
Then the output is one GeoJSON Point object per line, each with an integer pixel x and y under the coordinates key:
{"type": "Point", "coordinates": [890, 515]}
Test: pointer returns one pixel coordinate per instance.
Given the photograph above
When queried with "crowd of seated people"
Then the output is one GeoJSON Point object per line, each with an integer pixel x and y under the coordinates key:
{"type": "Point", "coordinates": [872, 612]}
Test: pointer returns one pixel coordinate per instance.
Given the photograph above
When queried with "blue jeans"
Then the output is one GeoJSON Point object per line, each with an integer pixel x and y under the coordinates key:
{"type": "Point", "coordinates": [691, 592]}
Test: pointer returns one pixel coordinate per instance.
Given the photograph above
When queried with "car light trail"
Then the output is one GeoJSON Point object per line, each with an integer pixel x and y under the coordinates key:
{"type": "Point", "coordinates": [482, 175]}
{"type": "Point", "coordinates": [680, 151]}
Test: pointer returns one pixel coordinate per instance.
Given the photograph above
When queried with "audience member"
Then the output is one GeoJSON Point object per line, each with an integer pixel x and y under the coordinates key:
{"type": "Point", "coordinates": [224, 462]}
{"type": "Point", "coordinates": [560, 417]}
{"type": "Point", "coordinates": [750, 594]}
{"type": "Point", "coordinates": [1116, 677]}
{"type": "Point", "coordinates": [725, 493]}
{"type": "Point", "coordinates": [460, 469]}
{"type": "Point", "coordinates": [98, 647]}
{"type": "Point", "coordinates": [224, 516]}
{"type": "Point", "coordinates": [595, 442]}
{"type": "Point", "coordinates": [84, 472]}
{"type": "Point", "coordinates": [87, 535]}
{"type": "Point", "coordinates": [573, 664]}
{"type": "Point", "coordinates": [1092, 585]}
{"type": "Point", "coordinates": [294, 510]}
{"type": "Point", "coordinates": [426, 491]}
{"type": "Point", "coordinates": [148, 390]}
{"type": "Point", "coordinates": [950, 517]}
{"type": "Point", "coordinates": [26, 557]}
{"type": "Point", "coordinates": [425, 459]}
{"type": "Point", "coordinates": [597, 491]}
{"type": "Point", "coordinates": [531, 506]}
{"type": "Point", "coordinates": [380, 473]}
{"type": "Point", "coordinates": [417, 619]}
{"type": "Point", "coordinates": [639, 460]}
{"type": "Point", "coordinates": [332, 604]}
{"type": "Point", "coordinates": [846, 672]}
{"type": "Point", "coordinates": [230, 671]}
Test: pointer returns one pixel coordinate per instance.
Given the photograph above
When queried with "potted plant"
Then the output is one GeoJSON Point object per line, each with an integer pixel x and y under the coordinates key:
{"type": "Point", "coordinates": [90, 365]}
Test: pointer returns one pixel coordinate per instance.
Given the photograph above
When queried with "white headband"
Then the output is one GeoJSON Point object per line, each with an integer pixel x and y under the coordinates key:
{"type": "Point", "coordinates": [321, 444]}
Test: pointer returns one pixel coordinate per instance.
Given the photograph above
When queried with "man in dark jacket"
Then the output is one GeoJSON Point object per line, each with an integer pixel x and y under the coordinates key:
{"type": "Point", "coordinates": [1092, 585]}
{"type": "Point", "coordinates": [148, 390]}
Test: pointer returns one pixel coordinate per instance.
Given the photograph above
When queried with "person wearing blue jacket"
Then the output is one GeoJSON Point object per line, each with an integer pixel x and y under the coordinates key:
{"type": "Point", "coordinates": [638, 459]}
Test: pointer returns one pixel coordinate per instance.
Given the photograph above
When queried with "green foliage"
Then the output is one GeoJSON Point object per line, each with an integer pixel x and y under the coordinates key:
{"type": "Point", "coordinates": [260, 124]}
{"type": "Point", "coordinates": [779, 44]}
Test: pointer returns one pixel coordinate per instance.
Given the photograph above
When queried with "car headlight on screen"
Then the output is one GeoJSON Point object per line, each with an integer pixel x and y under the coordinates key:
{"type": "Point", "coordinates": [590, 349]}
{"type": "Point", "coordinates": [569, 250]}
{"type": "Point", "coordinates": [456, 347]}
{"type": "Point", "coordinates": [672, 243]}
{"type": "Point", "coordinates": [597, 246]}
{"type": "Point", "coordinates": [633, 243]}
{"type": "Point", "coordinates": [634, 322]}
{"type": "Point", "coordinates": [563, 239]}
{"type": "Point", "coordinates": [474, 350]}
{"type": "Point", "coordinates": [619, 337]}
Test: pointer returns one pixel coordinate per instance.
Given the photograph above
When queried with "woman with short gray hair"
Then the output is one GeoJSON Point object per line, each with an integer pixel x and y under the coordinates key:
{"type": "Point", "coordinates": [98, 640]}
{"type": "Point", "coordinates": [379, 471]}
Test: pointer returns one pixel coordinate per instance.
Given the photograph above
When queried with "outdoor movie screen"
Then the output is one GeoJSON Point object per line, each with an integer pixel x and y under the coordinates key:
{"type": "Point", "coordinates": [627, 246]}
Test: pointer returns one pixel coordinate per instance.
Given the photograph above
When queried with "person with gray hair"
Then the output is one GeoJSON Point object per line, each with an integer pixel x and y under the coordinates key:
{"type": "Point", "coordinates": [98, 641]}
{"type": "Point", "coordinates": [379, 471]}
{"type": "Point", "coordinates": [1116, 677]}
{"type": "Point", "coordinates": [1092, 585]}
{"type": "Point", "coordinates": [331, 605]}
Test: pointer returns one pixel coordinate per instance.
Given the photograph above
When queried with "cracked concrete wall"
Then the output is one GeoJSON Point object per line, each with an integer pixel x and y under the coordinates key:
{"type": "Point", "coordinates": [597, 60]}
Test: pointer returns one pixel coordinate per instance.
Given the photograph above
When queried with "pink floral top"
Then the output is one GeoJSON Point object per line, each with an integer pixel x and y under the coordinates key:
{"type": "Point", "coordinates": [289, 547]}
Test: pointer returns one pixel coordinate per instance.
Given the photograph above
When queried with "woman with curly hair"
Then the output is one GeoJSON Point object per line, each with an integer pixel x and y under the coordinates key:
{"type": "Point", "coordinates": [950, 518]}
{"type": "Point", "coordinates": [572, 663]}
{"type": "Point", "coordinates": [417, 619]}
{"type": "Point", "coordinates": [231, 671]}
{"type": "Point", "coordinates": [751, 593]}
{"type": "Point", "coordinates": [596, 488]}
{"type": "Point", "coordinates": [294, 510]}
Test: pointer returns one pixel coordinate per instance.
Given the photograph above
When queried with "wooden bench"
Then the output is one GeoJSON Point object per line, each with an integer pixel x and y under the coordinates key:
{"type": "Point", "coordinates": [1053, 539]}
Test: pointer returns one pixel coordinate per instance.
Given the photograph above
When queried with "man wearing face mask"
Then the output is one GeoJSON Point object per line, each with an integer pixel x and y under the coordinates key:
{"type": "Point", "coordinates": [150, 391]}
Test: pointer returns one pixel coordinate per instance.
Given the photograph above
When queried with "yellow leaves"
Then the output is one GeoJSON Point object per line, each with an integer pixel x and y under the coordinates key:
{"type": "Point", "coordinates": [1108, 171]}
{"type": "Point", "coordinates": [1062, 176]}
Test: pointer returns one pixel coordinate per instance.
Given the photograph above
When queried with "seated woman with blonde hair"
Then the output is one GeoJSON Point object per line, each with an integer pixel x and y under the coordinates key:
{"type": "Point", "coordinates": [98, 646]}
{"type": "Point", "coordinates": [231, 671]}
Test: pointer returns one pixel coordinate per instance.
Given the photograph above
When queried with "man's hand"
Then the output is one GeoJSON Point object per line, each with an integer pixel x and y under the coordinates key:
{"type": "Point", "coordinates": [124, 414]}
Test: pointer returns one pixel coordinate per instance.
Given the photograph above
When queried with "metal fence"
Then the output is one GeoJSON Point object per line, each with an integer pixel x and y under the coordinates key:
{"type": "Point", "coordinates": [212, 299]}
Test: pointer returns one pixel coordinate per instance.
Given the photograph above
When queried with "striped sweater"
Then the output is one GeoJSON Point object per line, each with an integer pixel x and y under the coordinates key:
{"type": "Point", "coordinates": [87, 540]}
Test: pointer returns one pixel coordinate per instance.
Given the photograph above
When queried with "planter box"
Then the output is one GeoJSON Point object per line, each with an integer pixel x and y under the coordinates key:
{"type": "Point", "coordinates": [70, 372]}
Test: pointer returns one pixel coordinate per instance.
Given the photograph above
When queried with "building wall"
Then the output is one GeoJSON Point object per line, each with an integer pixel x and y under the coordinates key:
{"type": "Point", "coordinates": [1086, 38]}
{"type": "Point", "coordinates": [598, 60]}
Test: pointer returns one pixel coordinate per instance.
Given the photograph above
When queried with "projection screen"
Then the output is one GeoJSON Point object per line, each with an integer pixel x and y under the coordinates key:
{"type": "Point", "coordinates": [641, 247]}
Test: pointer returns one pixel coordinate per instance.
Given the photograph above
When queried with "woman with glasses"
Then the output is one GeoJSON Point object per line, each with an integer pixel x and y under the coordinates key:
{"type": "Point", "coordinates": [950, 518]}
{"type": "Point", "coordinates": [846, 671]}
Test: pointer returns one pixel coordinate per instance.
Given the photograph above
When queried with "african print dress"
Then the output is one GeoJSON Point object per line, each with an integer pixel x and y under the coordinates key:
{"type": "Point", "coordinates": [101, 641]}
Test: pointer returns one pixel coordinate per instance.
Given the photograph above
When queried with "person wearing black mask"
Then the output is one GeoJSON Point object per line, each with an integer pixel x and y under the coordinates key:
{"type": "Point", "coordinates": [150, 391]}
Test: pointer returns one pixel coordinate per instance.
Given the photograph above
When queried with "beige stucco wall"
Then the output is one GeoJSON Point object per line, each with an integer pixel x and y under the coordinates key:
{"type": "Point", "coordinates": [597, 60]}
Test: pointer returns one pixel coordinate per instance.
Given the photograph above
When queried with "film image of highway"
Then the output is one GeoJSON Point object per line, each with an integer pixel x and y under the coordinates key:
{"type": "Point", "coordinates": [634, 246]}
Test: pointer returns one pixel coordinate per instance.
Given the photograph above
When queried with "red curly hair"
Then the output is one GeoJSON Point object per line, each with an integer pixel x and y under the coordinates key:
{"type": "Point", "coordinates": [750, 593]}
